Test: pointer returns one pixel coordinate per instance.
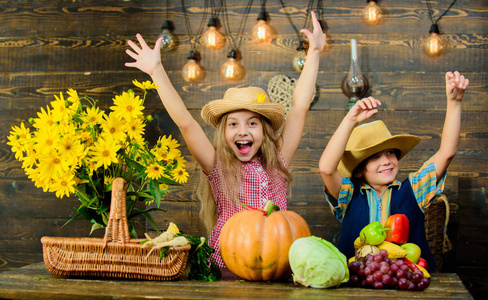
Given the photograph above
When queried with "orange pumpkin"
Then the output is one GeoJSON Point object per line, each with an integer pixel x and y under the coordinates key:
{"type": "Point", "coordinates": [255, 247]}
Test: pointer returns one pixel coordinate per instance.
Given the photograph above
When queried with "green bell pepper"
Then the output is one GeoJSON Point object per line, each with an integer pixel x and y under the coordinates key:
{"type": "Point", "coordinates": [374, 233]}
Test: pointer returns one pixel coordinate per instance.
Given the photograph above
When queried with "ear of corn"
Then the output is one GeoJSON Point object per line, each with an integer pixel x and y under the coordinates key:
{"type": "Point", "coordinates": [426, 273]}
{"type": "Point", "coordinates": [394, 251]}
{"type": "Point", "coordinates": [173, 228]}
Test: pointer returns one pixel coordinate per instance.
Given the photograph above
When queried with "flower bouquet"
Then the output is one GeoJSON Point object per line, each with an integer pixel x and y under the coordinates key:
{"type": "Point", "coordinates": [76, 148]}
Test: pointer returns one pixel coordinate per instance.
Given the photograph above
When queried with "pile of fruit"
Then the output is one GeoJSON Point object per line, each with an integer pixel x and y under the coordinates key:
{"type": "Point", "coordinates": [384, 259]}
{"type": "Point", "coordinates": [379, 271]}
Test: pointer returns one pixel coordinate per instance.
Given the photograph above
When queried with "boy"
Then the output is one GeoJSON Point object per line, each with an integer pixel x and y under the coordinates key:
{"type": "Point", "coordinates": [359, 168]}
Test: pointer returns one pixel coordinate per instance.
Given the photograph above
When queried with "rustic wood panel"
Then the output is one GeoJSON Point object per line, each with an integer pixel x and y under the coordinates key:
{"type": "Point", "coordinates": [412, 91]}
{"type": "Point", "coordinates": [75, 18]}
{"type": "Point", "coordinates": [401, 52]}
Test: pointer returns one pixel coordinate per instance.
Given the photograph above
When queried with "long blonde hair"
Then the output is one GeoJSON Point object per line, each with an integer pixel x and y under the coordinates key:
{"type": "Point", "coordinates": [231, 169]}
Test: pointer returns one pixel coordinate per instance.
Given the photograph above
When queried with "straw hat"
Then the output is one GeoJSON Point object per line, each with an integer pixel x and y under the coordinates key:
{"type": "Point", "coordinates": [370, 138]}
{"type": "Point", "coordinates": [250, 98]}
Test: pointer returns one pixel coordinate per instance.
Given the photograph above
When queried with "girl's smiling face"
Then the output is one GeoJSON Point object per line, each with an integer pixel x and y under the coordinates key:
{"type": "Point", "coordinates": [244, 134]}
{"type": "Point", "coordinates": [381, 169]}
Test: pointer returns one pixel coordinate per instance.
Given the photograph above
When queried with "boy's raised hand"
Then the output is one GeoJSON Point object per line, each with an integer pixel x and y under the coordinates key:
{"type": "Point", "coordinates": [147, 59]}
{"type": "Point", "coordinates": [316, 39]}
{"type": "Point", "coordinates": [456, 85]}
{"type": "Point", "coordinates": [363, 109]}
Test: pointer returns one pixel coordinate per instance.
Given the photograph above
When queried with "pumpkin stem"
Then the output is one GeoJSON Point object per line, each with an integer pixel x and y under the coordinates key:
{"type": "Point", "coordinates": [270, 207]}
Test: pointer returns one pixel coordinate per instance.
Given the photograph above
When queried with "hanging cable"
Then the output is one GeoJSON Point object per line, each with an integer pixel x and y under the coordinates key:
{"type": "Point", "coordinates": [429, 7]}
{"type": "Point", "coordinates": [236, 45]}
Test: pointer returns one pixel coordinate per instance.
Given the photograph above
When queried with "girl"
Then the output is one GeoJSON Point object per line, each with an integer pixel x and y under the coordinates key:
{"type": "Point", "coordinates": [247, 161]}
{"type": "Point", "coordinates": [359, 168]}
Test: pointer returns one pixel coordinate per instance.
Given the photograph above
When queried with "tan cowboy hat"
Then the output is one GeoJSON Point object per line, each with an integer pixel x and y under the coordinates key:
{"type": "Point", "coordinates": [370, 138]}
{"type": "Point", "coordinates": [250, 98]}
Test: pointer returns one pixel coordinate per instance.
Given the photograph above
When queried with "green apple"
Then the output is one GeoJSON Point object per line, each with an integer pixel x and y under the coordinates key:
{"type": "Point", "coordinates": [413, 252]}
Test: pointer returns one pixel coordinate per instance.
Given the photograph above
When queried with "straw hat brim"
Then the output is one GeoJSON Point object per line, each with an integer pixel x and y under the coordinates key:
{"type": "Point", "coordinates": [213, 111]}
{"type": "Point", "coordinates": [353, 157]}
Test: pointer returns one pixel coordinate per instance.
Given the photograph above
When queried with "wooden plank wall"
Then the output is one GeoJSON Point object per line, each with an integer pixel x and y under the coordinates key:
{"type": "Point", "coordinates": [50, 46]}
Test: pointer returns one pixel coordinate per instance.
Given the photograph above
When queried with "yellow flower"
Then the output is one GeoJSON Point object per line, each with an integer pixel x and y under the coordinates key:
{"type": "Point", "coordinates": [60, 112]}
{"type": "Point", "coordinates": [50, 165]}
{"type": "Point", "coordinates": [180, 175]}
{"type": "Point", "coordinates": [64, 185]}
{"type": "Point", "coordinates": [73, 96]}
{"type": "Point", "coordinates": [135, 129]}
{"type": "Point", "coordinates": [154, 171]}
{"type": "Point", "coordinates": [17, 139]}
{"type": "Point", "coordinates": [261, 97]}
{"type": "Point", "coordinates": [70, 149]}
{"type": "Point", "coordinates": [128, 106]}
{"type": "Point", "coordinates": [46, 139]}
{"type": "Point", "coordinates": [104, 152]}
{"type": "Point", "coordinates": [45, 119]}
{"type": "Point", "coordinates": [93, 116]}
{"type": "Point", "coordinates": [146, 85]}
{"type": "Point", "coordinates": [113, 127]}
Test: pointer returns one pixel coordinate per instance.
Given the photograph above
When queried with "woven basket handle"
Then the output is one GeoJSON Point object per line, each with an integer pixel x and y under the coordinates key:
{"type": "Point", "coordinates": [117, 228]}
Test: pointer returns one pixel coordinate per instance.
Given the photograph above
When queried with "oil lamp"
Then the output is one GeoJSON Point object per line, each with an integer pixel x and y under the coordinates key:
{"type": "Point", "coordinates": [354, 85]}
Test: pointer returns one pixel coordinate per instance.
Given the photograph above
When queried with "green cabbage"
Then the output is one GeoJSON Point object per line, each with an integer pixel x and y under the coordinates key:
{"type": "Point", "coordinates": [317, 263]}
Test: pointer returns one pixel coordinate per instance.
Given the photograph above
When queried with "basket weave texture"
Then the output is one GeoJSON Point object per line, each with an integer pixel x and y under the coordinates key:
{"type": "Point", "coordinates": [115, 255]}
{"type": "Point", "coordinates": [436, 221]}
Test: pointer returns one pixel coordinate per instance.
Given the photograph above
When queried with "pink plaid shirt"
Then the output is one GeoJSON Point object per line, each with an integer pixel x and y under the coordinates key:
{"type": "Point", "coordinates": [257, 187]}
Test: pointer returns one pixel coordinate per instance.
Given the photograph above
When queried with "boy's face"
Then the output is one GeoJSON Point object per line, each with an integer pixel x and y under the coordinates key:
{"type": "Point", "coordinates": [381, 169]}
{"type": "Point", "coordinates": [244, 134]}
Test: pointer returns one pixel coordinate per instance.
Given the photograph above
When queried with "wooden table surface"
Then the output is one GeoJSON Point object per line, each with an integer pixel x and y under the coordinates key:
{"type": "Point", "coordinates": [35, 282]}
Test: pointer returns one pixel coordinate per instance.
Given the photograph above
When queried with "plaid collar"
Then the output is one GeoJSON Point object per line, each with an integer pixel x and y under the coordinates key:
{"type": "Point", "coordinates": [395, 184]}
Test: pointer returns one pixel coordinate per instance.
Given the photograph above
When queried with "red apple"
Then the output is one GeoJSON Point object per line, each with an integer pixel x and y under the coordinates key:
{"type": "Point", "coordinates": [423, 263]}
{"type": "Point", "coordinates": [413, 252]}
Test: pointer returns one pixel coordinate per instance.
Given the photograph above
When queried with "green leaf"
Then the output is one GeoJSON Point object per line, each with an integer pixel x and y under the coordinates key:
{"type": "Point", "coordinates": [83, 199]}
{"type": "Point", "coordinates": [95, 227]}
{"type": "Point", "coordinates": [154, 187]}
{"type": "Point", "coordinates": [90, 215]}
{"type": "Point", "coordinates": [168, 181]}
{"type": "Point", "coordinates": [132, 163]}
{"type": "Point", "coordinates": [139, 194]}
{"type": "Point", "coordinates": [151, 221]}
{"type": "Point", "coordinates": [76, 216]}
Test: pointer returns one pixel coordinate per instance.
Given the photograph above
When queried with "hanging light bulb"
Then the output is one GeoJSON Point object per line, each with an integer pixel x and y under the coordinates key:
{"type": "Point", "coordinates": [434, 45]}
{"type": "Point", "coordinates": [231, 69]}
{"type": "Point", "coordinates": [212, 38]}
{"type": "Point", "coordinates": [262, 32]}
{"type": "Point", "coordinates": [372, 13]}
{"type": "Point", "coordinates": [299, 59]}
{"type": "Point", "coordinates": [192, 71]}
{"type": "Point", "coordinates": [354, 85]}
{"type": "Point", "coordinates": [169, 41]}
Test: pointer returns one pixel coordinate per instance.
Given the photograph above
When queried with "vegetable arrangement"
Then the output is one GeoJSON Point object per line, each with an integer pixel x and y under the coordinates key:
{"type": "Point", "coordinates": [384, 259]}
{"type": "Point", "coordinates": [200, 264]}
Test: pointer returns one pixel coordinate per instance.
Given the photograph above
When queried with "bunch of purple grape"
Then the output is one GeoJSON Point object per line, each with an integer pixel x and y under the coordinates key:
{"type": "Point", "coordinates": [379, 271]}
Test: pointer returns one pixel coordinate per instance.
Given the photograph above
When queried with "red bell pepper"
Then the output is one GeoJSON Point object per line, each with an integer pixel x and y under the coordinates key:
{"type": "Point", "coordinates": [399, 229]}
{"type": "Point", "coordinates": [248, 207]}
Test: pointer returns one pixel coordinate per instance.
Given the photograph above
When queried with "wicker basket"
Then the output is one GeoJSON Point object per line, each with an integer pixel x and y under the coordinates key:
{"type": "Point", "coordinates": [115, 255]}
{"type": "Point", "coordinates": [436, 221]}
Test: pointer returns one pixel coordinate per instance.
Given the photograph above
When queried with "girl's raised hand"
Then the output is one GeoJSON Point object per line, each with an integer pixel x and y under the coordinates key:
{"type": "Point", "coordinates": [147, 59]}
{"type": "Point", "coordinates": [363, 109]}
{"type": "Point", "coordinates": [316, 39]}
{"type": "Point", "coordinates": [456, 85]}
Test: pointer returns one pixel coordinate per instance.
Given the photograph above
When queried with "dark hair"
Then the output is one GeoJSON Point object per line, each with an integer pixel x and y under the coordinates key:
{"type": "Point", "coordinates": [362, 165]}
